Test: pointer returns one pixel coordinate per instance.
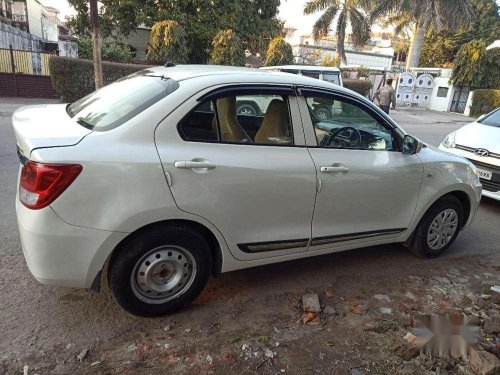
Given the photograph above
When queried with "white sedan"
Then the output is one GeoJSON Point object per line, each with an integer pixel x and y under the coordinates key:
{"type": "Point", "coordinates": [157, 182]}
{"type": "Point", "coordinates": [479, 142]}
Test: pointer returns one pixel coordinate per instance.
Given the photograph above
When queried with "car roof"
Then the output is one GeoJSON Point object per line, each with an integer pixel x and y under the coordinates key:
{"type": "Point", "coordinates": [233, 74]}
{"type": "Point", "coordinates": [303, 67]}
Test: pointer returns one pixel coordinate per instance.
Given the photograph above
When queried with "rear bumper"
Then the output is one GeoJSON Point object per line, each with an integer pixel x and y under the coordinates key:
{"type": "Point", "coordinates": [61, 254]}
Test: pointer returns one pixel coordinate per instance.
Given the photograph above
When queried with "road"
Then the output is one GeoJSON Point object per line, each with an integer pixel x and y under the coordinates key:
{"type": "Point", "coordinates": [46, 327]}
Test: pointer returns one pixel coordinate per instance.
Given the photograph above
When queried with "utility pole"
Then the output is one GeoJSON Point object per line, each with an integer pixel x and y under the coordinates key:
{"type": "Point", "coordinates": [96, 43]}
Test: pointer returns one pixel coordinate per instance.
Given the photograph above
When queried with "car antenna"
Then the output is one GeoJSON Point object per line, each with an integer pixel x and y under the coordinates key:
{"type": "Point", "coordinates": [169, 64]}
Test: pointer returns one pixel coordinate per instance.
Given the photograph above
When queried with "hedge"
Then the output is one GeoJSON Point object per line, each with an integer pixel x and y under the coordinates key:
{"type": "Point", "coordinates": [74, 78]}
{"type": "Point", "coordinates": [484, 101]}
{"type": "Point", "coordinates": [361, 86]}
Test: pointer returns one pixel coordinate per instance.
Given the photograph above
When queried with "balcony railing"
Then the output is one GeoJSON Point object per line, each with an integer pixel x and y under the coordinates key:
{"type": "Point", "coordinates": [19, 18]}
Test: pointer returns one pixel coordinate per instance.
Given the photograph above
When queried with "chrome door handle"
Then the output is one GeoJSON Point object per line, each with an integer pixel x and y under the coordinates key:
{"type": "Point", "coordinates": [190, 164]}
{"type": "Point", "coordinates": [336, 169]}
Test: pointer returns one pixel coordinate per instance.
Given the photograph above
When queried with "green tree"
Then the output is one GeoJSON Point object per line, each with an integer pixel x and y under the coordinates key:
{"type": "Point", "coordinates": [279, 53]}
{"type": "Point", "coordinates": [111, 50]}
{"type": "Point", "coordinates": [346, 11]}
{"type": "Point", "coordinates": [440, 48]}
{"type": "Point", "coordinates": [476, 67]}
{"type": "Point", "coordinates": [167, 43]}
{"type": "Point", "coordinates": [424, 15]}
{"type": "Point", "coordinates": [254, 21]}
{"type": "Point", "coordinates": [227, 49]}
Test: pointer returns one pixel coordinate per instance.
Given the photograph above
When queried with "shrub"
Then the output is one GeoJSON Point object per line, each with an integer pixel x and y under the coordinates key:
{"type": "Point", "coordinates": [74, 78]}
{"type": "Point", "coordinates": [168, 42]}
{"type": "Point", "coordinates": [362, 87]}
{"type": "Point", "coordinates": [279, 53]}
{"type": "Point", "coordinates": [484, 101]}
{"type": "Point", "coordinates": [227, 49]}
{"type": "Point", "coordinates": [110, 50]}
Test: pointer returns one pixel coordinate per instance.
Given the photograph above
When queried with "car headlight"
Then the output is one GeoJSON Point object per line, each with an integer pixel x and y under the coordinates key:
{"type": "Point", "coordinates": [449, 140]}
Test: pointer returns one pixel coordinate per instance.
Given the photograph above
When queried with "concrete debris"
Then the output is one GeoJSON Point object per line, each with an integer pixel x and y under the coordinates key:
{"type": "Point", "coordinates": [25, 370]}
{"type": "Point", "coordinates": [275, 329]}
{"type": "Point", "coordinates": [483, 362]}
{"type": "Point", "coordinates": [96, 363]}
{"type": "Point", "coordinates": [82, 355]}
{"type": "Point", "coordinates": [245, 347]}
{"type": "Point", "coordinates": [269, 353]}
{"type": "Point", "coordinates": [386, 310]}
{"type": "Point", "coordinates": [410, 295]}
{"type": "Point", "coordinates": [310, 303]}
{"type": "Point", "coordinates": [131, 348]}
{"type": "Point", "coordinates": [381, 326]}
{"type": "Point", "coordinates": [382, 298]}
{"type": "Point", "coordinates": [167, 328]}
{"type": "Point", "coordinates": [209, 359]}
{"type": "Point", "coordinates": [495, 288]}
{"type": "Point", "coordinates": [410, 338]}
{"type": "Point", "coordinates": [187, 330]}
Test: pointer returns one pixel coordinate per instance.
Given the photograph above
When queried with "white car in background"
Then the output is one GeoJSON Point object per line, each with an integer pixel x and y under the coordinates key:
{"type": "Point", "coordinates": [157, 182]}
{"type": "Point", "coordinates": [479, 142]}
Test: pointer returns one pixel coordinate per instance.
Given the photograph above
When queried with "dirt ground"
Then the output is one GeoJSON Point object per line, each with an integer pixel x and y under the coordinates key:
{"type": "Point", "coordinates": [248, 322]}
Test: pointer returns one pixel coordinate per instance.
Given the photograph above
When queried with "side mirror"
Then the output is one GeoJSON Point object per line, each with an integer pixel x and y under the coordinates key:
{"type": "Point", "coordinates": [411, 145]}
{"type": "Point", "coordinates": [481, 117]}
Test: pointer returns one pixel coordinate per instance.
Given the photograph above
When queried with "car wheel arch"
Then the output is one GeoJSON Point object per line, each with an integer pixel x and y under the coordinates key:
{"type": "Point", "coordinates": [207, 234]}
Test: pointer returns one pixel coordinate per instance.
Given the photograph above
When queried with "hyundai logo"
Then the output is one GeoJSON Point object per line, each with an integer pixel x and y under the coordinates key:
{"type": "Point", "coordinates": [481, 152]}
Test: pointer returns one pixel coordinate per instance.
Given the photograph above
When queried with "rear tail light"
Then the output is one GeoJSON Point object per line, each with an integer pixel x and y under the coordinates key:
{"type": "Point", "coordinates": [40, 184]}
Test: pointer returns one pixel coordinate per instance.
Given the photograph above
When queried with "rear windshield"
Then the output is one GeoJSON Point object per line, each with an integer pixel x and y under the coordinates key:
{"type": "Point", "coordinates": [120, 101]}
{"type": "Point", "coordinates": [492, 120]}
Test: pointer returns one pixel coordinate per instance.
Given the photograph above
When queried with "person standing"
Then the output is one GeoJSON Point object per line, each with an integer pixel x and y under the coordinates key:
{"type": "Point", "coordinates": [386, 96]}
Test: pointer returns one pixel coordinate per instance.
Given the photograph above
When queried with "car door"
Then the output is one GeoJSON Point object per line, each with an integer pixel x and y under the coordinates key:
{"type": "Point", "coordinates": [249, 174]}
{"type": "Point", "coordinates": [368, 189]}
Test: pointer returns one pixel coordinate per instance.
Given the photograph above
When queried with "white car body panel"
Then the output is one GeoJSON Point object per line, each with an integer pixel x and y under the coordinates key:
{"type": "Point", "coordinates": [270, 191]}
{"type": "Point", "coordinates": [472, 137]}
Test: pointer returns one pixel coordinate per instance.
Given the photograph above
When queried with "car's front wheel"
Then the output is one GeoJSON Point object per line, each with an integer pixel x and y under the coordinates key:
{"type": "Point", "coordinates": [159, 271]}
{"type": "Point", "coordinates": [438, 229]}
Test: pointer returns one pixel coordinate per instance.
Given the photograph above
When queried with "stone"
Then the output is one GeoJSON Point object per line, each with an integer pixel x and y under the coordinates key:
{"type": "Point", "coordinates": [382, 298]}
{"type": "Point", "coordinates": [26, 370]}
{"type": "Point", "coordinates": [463, 280]}
{"type": "Point", "coordinates": [310, 303]}
{"type": "Point", "coordinates": [492, 325]}
{"type": "Point", "coordinates": [410, 338]}
{"type": "Point", "coordinates": [488, 274]}
{"type": "Point", "coordinates": [484, 363]}
{"type": "Point", "coordinates": [209, 359]}
{"type": "Point", "coordinates": [410, 295]}
{"type": "Point", "coordinates": [167, 328]}
{"type": "Point", "coordinates": [386, 310]}
{"type": "Point", "coordinates": [329, 310]}
{"type": "Point", "coordinates": [131, 348]}
{"type": "Point", "coordinates": [416, 280]}
{"type": "Point", "coordinates": [187, 330]}
{"type": "Point", "coordinates": [82, 355]}
{"type": "Point", "coordinates": [405, 351]}
{"type": "Point", "coordinates": [268, 353]}
{"type": "Point", "coordinates": [381, 326]}
{"type": "Point", "coordinates": [442, 280]}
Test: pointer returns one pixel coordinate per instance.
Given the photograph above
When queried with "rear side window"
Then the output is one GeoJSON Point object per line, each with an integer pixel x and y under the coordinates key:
{"type": "Point", "coordinates": [120, 101]}
{"type": "Point", "coordinates": [246, 119]}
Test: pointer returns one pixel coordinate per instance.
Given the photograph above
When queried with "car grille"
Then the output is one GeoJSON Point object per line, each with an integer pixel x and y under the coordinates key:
{"type": "Point", "coordinates": [492, 186]}
{"type": "Point", "coordinates": [472, 149]}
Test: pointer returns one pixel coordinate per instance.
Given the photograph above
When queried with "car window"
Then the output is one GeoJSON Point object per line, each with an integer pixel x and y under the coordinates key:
{"type": "Point", "coordinates": [312, 74]}
{"type": "Point", "coordinates": [118, 102]}
{"type": "Point", "coordinates": [246, 119]}
{"type": "Point", "coordinates": [492, 120]}
{"type": "Point", "coordinates": [331, 77]}
{"type": "Point", "coordinates": [339, 124]}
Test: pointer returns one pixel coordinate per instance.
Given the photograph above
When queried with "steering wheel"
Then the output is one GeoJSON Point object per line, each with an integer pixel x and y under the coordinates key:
{"type": "Point", "coordinates": [345, 137]}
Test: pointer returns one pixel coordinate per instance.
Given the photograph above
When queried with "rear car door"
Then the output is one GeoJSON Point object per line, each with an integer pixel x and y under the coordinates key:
{"type": "Point", "coordinates": [368, 188]}
{"type": "Point", "coordinates": [237, 158]}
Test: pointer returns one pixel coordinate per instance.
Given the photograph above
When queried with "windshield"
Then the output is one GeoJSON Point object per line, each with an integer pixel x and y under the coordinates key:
{"type": "Point", "coordinates": [492, 120]}
{"type": "Point", "coordinates": [118, 102]}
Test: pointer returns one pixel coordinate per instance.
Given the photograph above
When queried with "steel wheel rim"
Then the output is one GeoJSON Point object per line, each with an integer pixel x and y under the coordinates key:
{"type": "Point", "coordinates": [163, 274]}
{"type": "Point", "coordinates": [245, 111]}
{"type": "Point", "coordinates": [442, 229]}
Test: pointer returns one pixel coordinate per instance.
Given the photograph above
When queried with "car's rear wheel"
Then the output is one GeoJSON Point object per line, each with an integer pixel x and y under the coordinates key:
{"type": "Point", "coordinates": [438, 229]}
{"type": "Point", "coordinates": [159, 271]}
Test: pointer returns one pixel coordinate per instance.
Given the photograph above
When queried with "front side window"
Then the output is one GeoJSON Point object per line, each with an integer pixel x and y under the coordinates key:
{"type": "Point", "coordinates": [118, 102]}
{"type": "Point", "coordinates": [247, 119]}
{"type": "Point", "coordinates": [340, 124]}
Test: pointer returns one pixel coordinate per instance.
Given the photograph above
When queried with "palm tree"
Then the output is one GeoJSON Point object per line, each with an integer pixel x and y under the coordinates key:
{"type": "Point", "coordinates": [423, 15]}
{"type": "Point", "coordinates": [345, 11]}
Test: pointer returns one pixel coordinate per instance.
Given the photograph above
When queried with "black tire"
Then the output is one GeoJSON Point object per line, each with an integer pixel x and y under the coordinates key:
{"type": "Point", "coordinates": [419, 245]}
{"type": "Point", "coordinates": [128, 254]}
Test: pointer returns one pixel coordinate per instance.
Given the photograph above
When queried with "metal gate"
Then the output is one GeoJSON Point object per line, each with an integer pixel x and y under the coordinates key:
{"type": "Point", "coordinates": [459, 101]}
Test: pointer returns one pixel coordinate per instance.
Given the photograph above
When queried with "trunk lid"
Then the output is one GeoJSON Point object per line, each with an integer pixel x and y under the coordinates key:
{"type": "Point", "coordinates": [45, 125]}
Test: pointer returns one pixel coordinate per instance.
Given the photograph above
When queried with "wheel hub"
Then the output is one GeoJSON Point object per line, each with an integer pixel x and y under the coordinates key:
{"type": "Point", "coordinates": [162, 274]}
{"type": "Point", "coordinates": [442, 229]}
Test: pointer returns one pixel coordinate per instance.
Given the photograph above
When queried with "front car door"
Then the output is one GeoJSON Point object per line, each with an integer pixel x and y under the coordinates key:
{"type": "Point", "coordinates": [237, 158]}
{"type": "Point", "coordinates": [367, 188]}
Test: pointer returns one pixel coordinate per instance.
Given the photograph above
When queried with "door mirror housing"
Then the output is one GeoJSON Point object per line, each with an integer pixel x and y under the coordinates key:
{"type": "Point", "coordinates": [411, 145]}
